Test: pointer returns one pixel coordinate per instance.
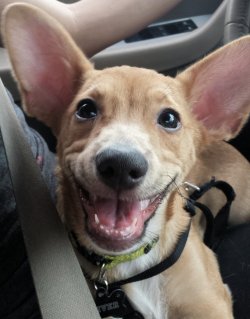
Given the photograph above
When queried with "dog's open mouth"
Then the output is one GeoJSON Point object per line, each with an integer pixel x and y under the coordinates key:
{"type": "Point", "coordinates": [115, 224]}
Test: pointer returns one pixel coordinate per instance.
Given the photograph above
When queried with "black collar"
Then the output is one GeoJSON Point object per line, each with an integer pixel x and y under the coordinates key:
{"type": "Point", "coordinates": [110, 261]}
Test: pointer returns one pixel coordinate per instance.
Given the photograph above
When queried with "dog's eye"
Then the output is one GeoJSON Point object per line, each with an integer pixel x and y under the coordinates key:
{"type": "Point", "coordinates": [86, 109]}
{"type": "Point", "coordinates": [169, 119]}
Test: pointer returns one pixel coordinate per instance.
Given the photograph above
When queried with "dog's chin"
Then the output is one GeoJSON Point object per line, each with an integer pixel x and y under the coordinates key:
{"type": "Point", "coordinates": [114, 224]}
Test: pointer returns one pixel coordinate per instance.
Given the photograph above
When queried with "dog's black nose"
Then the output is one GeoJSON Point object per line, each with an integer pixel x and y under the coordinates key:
{"type": "Point", "coordinates": [121, 168]}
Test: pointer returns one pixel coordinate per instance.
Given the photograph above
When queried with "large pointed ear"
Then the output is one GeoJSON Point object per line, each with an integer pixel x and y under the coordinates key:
{"type": "Point", "coordinates": [218, 89]}
{"type": "Point", "coordinates": [47, 64]}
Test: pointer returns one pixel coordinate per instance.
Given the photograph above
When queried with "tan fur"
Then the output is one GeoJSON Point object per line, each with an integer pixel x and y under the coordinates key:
{"type": "Point", "coordinates": [129, 101]}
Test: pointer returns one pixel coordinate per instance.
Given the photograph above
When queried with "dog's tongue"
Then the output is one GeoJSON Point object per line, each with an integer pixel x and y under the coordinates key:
{"type": "Point", "coordinates": [116, 213]}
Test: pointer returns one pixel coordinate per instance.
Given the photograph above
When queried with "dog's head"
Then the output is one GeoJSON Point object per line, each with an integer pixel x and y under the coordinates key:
{"type": "Point", "coordinates": [126, 136]}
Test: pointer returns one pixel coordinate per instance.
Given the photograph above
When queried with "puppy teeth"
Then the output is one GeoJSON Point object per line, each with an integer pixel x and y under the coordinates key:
{"type": "Point", "coordinates": [144, 204]}
{"type": "Point", "coordinates": [97, 219]}
{"type": "Point", "coordinates": [127, 229]}
{"type": "Point", "coordinates": [107, 231]}
{"type": "Point", "coordinates": [123, 232]}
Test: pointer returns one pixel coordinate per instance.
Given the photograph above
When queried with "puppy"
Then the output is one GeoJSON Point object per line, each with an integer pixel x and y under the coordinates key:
{"type": "Point", "coordinates": [127, 140]}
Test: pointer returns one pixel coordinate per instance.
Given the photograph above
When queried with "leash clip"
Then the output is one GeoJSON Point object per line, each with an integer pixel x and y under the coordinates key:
{"type": "Point", "coordinates": [101, 283]}
{"type": "Point", "coordinates": [189, 185]}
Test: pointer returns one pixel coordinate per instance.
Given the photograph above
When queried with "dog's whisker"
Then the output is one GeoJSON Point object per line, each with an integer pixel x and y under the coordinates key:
{"type": "Point", "coordinates": [177, 188]}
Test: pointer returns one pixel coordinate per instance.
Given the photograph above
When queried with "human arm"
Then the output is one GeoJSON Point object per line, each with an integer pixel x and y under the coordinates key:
{"type": "Point", "coordinates": [96, 24]}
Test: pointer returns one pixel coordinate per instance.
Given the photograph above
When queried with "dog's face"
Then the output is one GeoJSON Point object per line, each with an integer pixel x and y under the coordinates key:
{"type": "Point", "coordinates": [126, 136]}
{"type": "Point", "coordinates": [123, 144]}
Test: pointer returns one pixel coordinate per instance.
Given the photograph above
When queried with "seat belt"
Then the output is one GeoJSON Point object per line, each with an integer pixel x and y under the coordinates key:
{"type": "Point", "coordinates": [61, 288]}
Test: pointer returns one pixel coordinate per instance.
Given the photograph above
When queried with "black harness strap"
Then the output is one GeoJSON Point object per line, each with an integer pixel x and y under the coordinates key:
{"type": "Point", "coordinates": [216, 226]}
{"type": "Point", "coordinates": [209, 231]}
{"type": "Point", "coordinates": [162, 266]}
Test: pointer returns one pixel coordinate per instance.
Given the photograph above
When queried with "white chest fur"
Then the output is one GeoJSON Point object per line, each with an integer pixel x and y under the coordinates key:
{"type": "Point", "coordinates": [147, 297]}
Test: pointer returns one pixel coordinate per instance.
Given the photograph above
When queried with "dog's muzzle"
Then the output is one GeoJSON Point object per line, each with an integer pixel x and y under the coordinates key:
{"type": "Point", "coordinates": [115, 223]}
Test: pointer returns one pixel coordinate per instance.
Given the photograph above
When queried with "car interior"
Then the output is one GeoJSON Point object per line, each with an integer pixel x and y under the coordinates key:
{"type": "Point", "coordinates": [190, 31]}
{"type": "Point", "coordinates": [187, 33]}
